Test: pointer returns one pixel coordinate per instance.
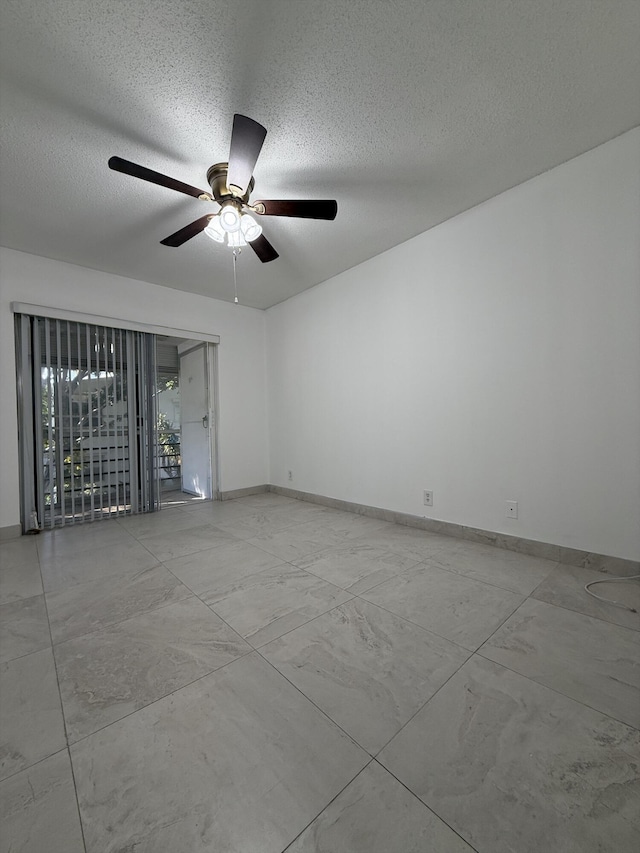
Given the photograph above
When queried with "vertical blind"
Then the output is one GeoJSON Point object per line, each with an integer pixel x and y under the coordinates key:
{"type": "Point", "coordinates": [87, 421]}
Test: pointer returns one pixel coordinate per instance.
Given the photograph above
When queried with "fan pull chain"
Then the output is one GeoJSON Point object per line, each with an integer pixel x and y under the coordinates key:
{"type": "Point", "coordinates": [236, 252]}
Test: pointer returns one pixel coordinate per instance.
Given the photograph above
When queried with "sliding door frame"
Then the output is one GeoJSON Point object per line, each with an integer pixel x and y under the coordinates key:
{"type": "Point", "coordinates": [30, 435]}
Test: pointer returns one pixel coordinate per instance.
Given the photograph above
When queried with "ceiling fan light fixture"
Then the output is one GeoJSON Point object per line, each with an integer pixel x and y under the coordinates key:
{"type": "Point", "coordinates": [251, 230]}
{"type": "Point", "coordinates": [231, 185]}
{"type": "Point", "coordinates": [215, 230]}
{"type": "Point", "coordinates": [230, 218]}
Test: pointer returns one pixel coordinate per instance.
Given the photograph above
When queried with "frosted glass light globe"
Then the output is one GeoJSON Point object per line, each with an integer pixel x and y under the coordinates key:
{"type": "Point", "coordinates": [250, 228]}
{"type": "Point", "coordinates": [214, 230]}
{"type": "Point", "coordinates": [230, 218]}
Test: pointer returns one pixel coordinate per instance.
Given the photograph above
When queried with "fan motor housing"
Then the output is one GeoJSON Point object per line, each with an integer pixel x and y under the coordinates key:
{"type": "Point", "coordinates": [217, 180]}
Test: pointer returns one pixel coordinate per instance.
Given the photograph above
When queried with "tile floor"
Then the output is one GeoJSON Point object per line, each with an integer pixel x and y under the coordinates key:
{"type": "Point", "coordinates": [264, 675]}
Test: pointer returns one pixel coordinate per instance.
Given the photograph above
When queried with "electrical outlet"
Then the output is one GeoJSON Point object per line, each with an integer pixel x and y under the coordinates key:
{"type": "Point", "coordinates": [428, 498]}
{"type": "Point", "coordinates": [512, 509]}
{"type": "Point", "coordinates": [289, 475]}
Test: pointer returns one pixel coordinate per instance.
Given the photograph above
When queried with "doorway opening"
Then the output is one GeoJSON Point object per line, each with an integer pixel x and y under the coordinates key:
{"type": "Point", "coordinates": [186, 421]}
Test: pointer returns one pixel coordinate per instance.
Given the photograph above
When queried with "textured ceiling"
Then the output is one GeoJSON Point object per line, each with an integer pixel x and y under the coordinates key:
{"type": "Point", "coordinates": [406, 112]}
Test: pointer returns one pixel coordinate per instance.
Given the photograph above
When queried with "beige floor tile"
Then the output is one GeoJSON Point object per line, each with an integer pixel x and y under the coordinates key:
{"type": "Point", "coordinates": [89, 606]}
{"type": "Point", "coordinates": [189, 740]}
{"type": "Point", "coordinates": [588, 659]}
{"type": "Point", "coordinates": [208, 572]}
{"type": "Point", "coordinates": [268, 520]}
{"type": "Point", "coordinates": [519, 573]}
{"type": "Point", "coordinates": [213, 512]}
{"type": "Point", "coordinates": [238, 761]}
{"type": "Point", "coordinates": [107, 675]}
{"type": "Point", "coordinates": [17, 552]}
{"type": "Point", "coordinates": [266, 605]}
{"type": "Point", "coordinates": [355, 567]}
{"type": "Point", "coordinates": [24, 628]}
{"type": "Point", "coordinates": [267, 499]}
{"type": "Point", "coordinates": [31, 726]}
{"type": "Point", "coordinates": [298, 541]}
{"type": "Point", "coordinates": [79, 538]}
{"type": "Point", "coordinates": [407, 541]}
{"type": "Point", "coordinates": [368, 670]}
{"type": "Point", "coordinates": [513, 766]}
{"type": "Point", "coordinates": [565, 586]}
{"type": "Point", "coordinates": [19, 581]}
{"type": "Point", "coordinates": [458, 608]}
{"type": "Point", "coordinates": [148, 524]}
{"type": "Point", "coordinates": [120, 557]}
{"type": "Point", "coordinates": [376, 814]}
{"type": "Point", "coordinates": [177, 543]}
{"type": "Point", "coordinates": [38, 809]}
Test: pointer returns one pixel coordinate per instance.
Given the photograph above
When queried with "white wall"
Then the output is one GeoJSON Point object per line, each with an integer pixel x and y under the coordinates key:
{"type": "Point", "coordinates": [241, 367]}
{"type": "Point", "coordinates": [495, 357]}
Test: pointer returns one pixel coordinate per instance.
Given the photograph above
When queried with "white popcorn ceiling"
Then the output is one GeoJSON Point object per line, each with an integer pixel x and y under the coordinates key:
{"type": "Point", "coordinates": [407, 112]}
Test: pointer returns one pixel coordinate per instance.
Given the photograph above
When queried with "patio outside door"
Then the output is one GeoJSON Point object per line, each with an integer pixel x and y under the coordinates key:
{"type": "Point", "coordinates": [196, 417]}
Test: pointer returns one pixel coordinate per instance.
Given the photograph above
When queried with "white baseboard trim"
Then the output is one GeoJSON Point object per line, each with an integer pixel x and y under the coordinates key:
{"type": "Point", "coordinates": [558, 553]}
{"type": "Point", "coordinates": [243, 493]}
{"type": "Point", "coordinates": [12, 531]}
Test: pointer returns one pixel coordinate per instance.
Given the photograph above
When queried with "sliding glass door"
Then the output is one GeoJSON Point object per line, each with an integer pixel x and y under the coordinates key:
{"type": "Point", "coordinates": [87, 421]}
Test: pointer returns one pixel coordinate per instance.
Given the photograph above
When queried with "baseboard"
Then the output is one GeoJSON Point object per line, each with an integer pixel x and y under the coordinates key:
{"type": "Point", "coordinates": [13, 531]}
{"type": "Point", "coordinates": [557, 553]}
{"type": "Point", "coordinates": [243, 493]}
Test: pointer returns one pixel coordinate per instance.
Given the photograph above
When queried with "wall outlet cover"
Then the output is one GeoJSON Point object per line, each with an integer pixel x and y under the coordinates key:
{"type": "Point", "coordinates": [428, 498]}
{"type": "Point", "coordinates": [512, 509]}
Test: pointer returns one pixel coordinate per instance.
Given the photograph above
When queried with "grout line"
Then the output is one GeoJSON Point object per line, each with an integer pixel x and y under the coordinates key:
{"type": "Point", "coordinates": [569, 609]}
{"type": "Point", "coordinates": [402, 618]}
{"type": "Point", "coordinates": [424, 704]}
{"type": "Point", "coordinates": [351, 737]}
{"type": "Point", "coordinates": [125, 618]}
{"type": "Point", "coordinates": [291, 630]}
{"type": "Point", "coordinates": [355, 583]}
{"type": "Point", "coordinates": [319, 616]}
{"type": "Point", "coordinates": [75, 788]}
{"type": "Point", "coordinates": [249, 575]}
{"type": "Point", "coordinates": [317, 707]}
{"type": "Point", "coordinates": [506, 619]}
{"type": "Point", "coordinates": [20, 600]}
{"type": "Point", "coordinates": [250, 651]}
{"type": "Point", "coordinates": [558, 692]}
{"type": "Point", "coordinates": [64, 721]}
{"type": "Point", "coordinates": [15, 773]}
{"type": "Point", "coordinates": [416, 624]}
{"type": "Point", "coordinates": [429, 808]}
{"type": "Point", "coordinates": [115, 576]}
{"type": "Point", "coordinates": [189, 554]}
{"type": "Point", "coordinates": [559, 607]}
{"type": "Point", "coordinates": [551, 571]}
{"type": "Point", "coordinates": [430, 562]}
{"type": "Point", "coordinates": [28, 654]}
{"type": "Point", "coordinates": [304, 829]}
{"type": "Point", "coordinates": [78, 530]}
{"type": "Point", "coordinates": [212, 606]}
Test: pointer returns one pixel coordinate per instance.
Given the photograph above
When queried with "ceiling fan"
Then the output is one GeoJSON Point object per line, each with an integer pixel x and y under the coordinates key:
{"type": "Point", "coordinates": [231, 185]}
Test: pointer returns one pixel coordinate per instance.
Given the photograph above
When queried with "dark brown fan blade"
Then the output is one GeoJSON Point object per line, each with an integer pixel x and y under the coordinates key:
{"type": "Point", "coordinates": [247, 137]}
{"type": "Point", "coordinates": [128, 168]}
{"type": "Point", "coordinates": [188, 231]}
{"type": "Point", "coordinates": [302, 209]}
{"type": "Point", "coordinates": [263, 249]}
